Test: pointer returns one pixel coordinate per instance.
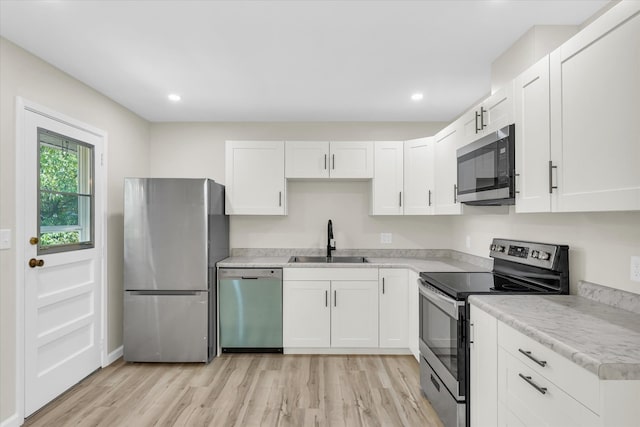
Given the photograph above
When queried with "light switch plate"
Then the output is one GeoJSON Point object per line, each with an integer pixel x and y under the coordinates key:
{"type": "Point", "coordinates": [5, 239]}
{"type": "Point", "coordinates": [635, 268]}
{"type": "Point", "coordinates": [386, 238]}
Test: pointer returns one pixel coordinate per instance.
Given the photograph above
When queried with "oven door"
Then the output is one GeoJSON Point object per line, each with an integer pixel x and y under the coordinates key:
{"type": "Point", "coordinates": [486, 169]}
{"type": "Point", "coordinates": [442, 338]}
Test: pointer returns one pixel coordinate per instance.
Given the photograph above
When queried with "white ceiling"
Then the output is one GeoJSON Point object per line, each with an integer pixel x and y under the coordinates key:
{"type": "Point", "coordinates": [283, 60]}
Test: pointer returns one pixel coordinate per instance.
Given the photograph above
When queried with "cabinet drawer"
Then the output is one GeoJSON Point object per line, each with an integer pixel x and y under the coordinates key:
{"type": "Point", "coordinates": [573, 379]}
{"type": "Point", "coordinates": [330, 273]}
{"type": "Point", "coordinates": [532, 400]}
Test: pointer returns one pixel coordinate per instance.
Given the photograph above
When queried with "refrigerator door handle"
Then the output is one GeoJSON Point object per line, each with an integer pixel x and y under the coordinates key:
{"type": "Point", "coordinates": [177, 293]}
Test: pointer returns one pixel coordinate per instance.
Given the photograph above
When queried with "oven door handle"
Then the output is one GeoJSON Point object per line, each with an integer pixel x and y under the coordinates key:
{"type": "Point", "coordinates": [446, 304]}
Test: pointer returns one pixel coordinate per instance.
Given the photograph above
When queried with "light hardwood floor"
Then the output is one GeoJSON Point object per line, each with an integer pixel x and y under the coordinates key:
{"type": "Point", "coordinates": [248, 390]}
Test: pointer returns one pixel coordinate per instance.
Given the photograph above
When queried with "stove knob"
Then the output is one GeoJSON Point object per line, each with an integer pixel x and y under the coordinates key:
{"type": "Point", "coordinates": [500, 248]}
{"type": "Point", "coordinates": [535, 254]}
{"type": "Point", "coordinates": [544, 256]}
{"type": "Point", "coordinates": [493, 247]}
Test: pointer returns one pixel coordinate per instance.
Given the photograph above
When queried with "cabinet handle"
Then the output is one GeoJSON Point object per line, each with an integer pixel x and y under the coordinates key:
{"type": "Point", "coordinates": [455, 193]}
{"type": "Point", "coordinates": [477, 122]}
{"type": "Point", "coordinates": [326, 298]}
{"type": "Point", "coordinates": [325, 162]}
{"type": "Point", "coordinates": [542, 390]}
{"type": "Point", "coordinates": [482, 123]}
{"type": "Point", "coordinates": [333, 161]}
{"type": "Point", "coordinates": [542, 363]}
{"type": "Point", "coordinates": [471, 333]}
{"type": "Point", "coordinates": [429, 197]}
{"type": "Point", "coordinates": [383, 286]}
{"type": "Point", "coordinates": [515, 182]}
{"type": "Point", "coordinates": [400, 199]}
{"type": "Point", "coordinates": [279, 198]}
{"type": "Point", "coordinates": [551, 168]}
{"type": "Point", "coordinates": [335, 298]}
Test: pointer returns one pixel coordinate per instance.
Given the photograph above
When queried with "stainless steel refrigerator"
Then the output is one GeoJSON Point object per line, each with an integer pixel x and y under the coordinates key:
{"type": "Point", "coordinates": [175, 231]}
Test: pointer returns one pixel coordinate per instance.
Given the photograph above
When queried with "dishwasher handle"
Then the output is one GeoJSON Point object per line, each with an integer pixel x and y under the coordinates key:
{"type": "Point", "coordinates": [249, 273]}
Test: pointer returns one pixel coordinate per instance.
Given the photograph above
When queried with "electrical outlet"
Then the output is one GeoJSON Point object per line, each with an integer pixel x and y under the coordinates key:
{"type": "Point", "coordinates": [386, 238]}
{"type": "Point", "coordinates": [5, 239]}
{"type": "Point", "coordinates": [635, 268]}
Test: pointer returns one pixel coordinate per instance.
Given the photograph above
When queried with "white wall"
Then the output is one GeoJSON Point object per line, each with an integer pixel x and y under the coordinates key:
{"type": "Point", "coordinates": [22, 74]}
{"type": "Point", "coordinates": [600, 243]}
{"type": "Point", "coordinates": [197, 150]}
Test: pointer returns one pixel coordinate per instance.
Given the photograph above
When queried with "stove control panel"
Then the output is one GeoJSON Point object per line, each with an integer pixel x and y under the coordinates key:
{"type": "Point", "coordinates": [531, 253]}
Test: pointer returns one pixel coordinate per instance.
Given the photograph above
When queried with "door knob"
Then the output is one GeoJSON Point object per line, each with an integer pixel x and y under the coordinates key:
{"type": "Point", "coordinates": [36, 262]}
{"type": "Point", "coordinates": [34, 240]}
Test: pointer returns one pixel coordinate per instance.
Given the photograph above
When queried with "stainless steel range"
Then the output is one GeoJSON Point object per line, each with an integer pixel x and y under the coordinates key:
{"type": "Point", "coordinates": [519, 268]}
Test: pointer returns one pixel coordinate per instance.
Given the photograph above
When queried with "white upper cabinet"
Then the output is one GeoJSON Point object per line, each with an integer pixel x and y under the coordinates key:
{"type": "Point", "coordinates": [447, 141]}
{"type": "Point", "coordinates": [307, 159]}
{"type": "Point", "coordinates": [419, 179]}
{"type": "Point", "coordinates": [336, 159]}
{"type": "Point", "coordinates": [532, 144]}
{"type": "Point", "coordinates": [493, 113]}
{"type": "Point", "coordinates": [387, 185]}
{"type": "Point", "coordinates": [255, 183]}
{"type": "Point", "coordinates": [595, 95]}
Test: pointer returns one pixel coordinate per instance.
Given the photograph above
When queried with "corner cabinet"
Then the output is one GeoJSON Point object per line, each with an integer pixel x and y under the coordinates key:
{"type": "Point", "coordinates": [324, 159]}
{"type": "Point", "coordinates": [419, 179]}
{"type": "Point", "coordinates": [388, 178]}
{"type": "Point", "coordinates": [595, 93]}
{"type": "Point", "coordinates": [255, 182]}
{"type": "Point", "coordinates": [447, 141]}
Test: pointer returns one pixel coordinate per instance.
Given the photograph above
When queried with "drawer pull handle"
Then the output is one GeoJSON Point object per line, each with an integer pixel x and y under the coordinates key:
{"type": "Point", "coordinates": [542, 363]}
{"type": "Point", "coordinates": [542, 390]}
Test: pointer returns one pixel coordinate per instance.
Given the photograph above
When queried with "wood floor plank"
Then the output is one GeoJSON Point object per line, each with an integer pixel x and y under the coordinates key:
{"type": "Point", "coordinates": [248, 390]}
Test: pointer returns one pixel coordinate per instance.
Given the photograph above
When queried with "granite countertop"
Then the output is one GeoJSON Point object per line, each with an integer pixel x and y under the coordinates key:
{"type": "Point", "coordinates": [601, 338]}
{"type": "Point", "coordinates": [418, 265]}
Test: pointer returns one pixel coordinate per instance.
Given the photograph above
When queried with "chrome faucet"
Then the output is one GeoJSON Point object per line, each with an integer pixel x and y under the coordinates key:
{"type": "Point", "coordinates": [330, 247]}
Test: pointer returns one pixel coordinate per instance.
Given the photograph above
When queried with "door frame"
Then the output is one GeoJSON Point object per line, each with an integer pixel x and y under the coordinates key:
{"type": "Point", "coordinates": [22, 106]}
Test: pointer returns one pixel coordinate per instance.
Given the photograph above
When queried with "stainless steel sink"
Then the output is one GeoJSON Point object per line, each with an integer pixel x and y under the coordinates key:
{"type": "Point", "coordinates": [333, 260]}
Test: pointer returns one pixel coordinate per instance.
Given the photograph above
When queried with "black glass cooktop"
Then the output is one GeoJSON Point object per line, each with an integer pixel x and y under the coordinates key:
{"type": "Point", "coordinates": [459, 285]}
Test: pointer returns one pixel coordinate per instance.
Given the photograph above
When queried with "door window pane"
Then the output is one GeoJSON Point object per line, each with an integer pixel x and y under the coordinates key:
{"type": "Point", "coordinates": [66, 193]}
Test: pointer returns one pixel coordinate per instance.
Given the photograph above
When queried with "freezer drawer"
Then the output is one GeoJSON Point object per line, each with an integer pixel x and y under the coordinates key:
{"type": "Point", "coordinates": [166, 327]}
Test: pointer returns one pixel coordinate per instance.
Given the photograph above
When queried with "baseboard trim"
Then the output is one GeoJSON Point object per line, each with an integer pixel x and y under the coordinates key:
{"type": "Point", "coordinates": [113, 356]}
{"type": "Point", "coordinates": [343, 351]}
{"type": "Point", "coordinates": [12, 421]}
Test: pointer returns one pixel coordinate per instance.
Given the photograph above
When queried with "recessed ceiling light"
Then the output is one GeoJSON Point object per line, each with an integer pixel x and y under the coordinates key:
{"type": "Point", "coordinates": [174, 97]}
{"type": "Point", "coordinates": [417, 96]}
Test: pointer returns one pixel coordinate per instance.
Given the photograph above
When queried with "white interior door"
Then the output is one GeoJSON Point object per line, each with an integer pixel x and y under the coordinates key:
{"type": "Point", "coordinates": [63, 257]}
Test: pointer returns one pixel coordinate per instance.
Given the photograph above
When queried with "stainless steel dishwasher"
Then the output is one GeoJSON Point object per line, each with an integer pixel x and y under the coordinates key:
{"type": "Point", "coordinates": [250, 310]}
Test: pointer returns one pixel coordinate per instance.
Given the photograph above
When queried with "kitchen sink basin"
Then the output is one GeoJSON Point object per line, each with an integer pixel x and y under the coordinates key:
{"type": "Point", "coordinates": [332, 260]}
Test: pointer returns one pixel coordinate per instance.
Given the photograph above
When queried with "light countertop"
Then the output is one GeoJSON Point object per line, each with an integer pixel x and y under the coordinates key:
{"type": "Point", "coordinates": [602, 339]}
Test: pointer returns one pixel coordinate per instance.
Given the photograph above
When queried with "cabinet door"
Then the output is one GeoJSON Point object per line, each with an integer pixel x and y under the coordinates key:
{"type": "Point", "coordinates": [414, 317]}
{"type": "Point", "coordinates": [394, 308]}
{"type": "Point", "coordinates": [351, 159]}
{"type": "Point", "coordinates": [254, 175]}
{"type": "Point", "coordinates": [471, 125]}
{"type": "Point", "coordinates": [387, 184]}
{"type": "Point", "coordinates": [306, 159]}
{"type": "Point", "coordinates": [418, 176]}
{"type": "Point", "coordinates": [498, 109]}
{"type": "Point", "coordinates": [595, 93]}
{"type": "Point", "coordinates": [306, 315]}
{"type": "Point", "coordinates": [483, 362]}
{"type": "Point", "coordinates": [354, 314]}
{"type": "Point", "coordinates": [533, 149]}
{"type": "Point", "coordinates": [446, 170]}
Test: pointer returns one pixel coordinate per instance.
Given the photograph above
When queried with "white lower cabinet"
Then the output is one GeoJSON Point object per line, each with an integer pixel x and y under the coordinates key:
{"type": "Point", "coordinates": [394, 308]}
{"type": "Point", "coordinates": [517, 381]}
{"type": "Point", "coordinates": [306, 315]}
{"type": "Point", "coordinates": [330, 307]}
{"type": "Point", "coordinates": [414, 315]}
{"type": "Point", "coordinates": [483, 362]}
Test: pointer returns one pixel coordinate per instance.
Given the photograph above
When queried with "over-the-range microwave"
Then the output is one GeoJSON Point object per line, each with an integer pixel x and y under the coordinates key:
{"type": "Point", "coordinates": [486, 169]}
